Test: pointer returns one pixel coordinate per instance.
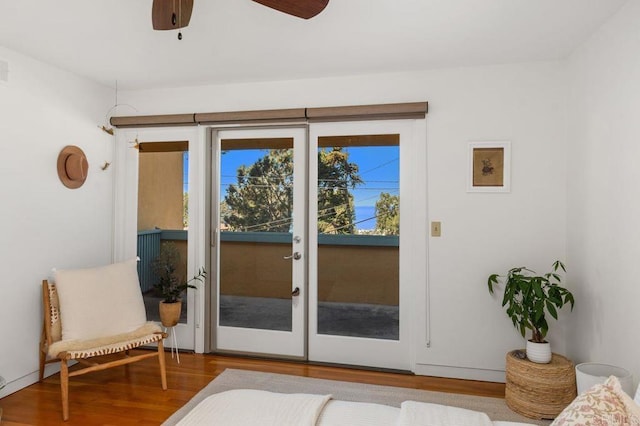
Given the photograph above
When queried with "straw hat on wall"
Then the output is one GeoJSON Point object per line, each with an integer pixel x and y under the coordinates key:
{"type": "Point", "coordinates": [72, 167]}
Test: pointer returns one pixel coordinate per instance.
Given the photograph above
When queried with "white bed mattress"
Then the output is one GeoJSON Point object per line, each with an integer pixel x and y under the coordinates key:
{"type": "Point", "coordinates": [345, 413]}
{"type": "Point", "coordinates": [253, 407]}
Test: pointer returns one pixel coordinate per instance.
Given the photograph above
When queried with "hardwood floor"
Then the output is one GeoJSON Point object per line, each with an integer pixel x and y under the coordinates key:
{"type": "Point", "coordinates": [132, 395]}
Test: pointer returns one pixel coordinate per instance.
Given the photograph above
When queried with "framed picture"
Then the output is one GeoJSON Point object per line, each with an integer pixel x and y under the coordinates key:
{"type": "Point", "coordinates": [489, 167]}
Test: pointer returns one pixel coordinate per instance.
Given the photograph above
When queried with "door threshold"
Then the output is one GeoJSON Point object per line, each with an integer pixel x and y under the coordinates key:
{"type": "Point", "coordinates": [309, 362]}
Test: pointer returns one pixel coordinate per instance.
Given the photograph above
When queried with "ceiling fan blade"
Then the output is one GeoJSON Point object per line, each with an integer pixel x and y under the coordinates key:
{"type": "Point", "coordinates": [304, 9]}
{"type": "Point", "coordinates": [171, 14]}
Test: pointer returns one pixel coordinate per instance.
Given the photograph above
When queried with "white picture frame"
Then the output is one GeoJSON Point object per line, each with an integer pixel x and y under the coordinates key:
{"type": "Point", "coordinates": [489, 166]}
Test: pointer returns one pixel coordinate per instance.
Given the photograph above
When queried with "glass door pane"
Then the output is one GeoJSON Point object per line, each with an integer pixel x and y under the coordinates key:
{"type": "Point", "coordinates": [358, 236]}
{"type": "Point", "coordinates": [260, 219]}
{"type": "Point", "coordinates": [256, 214]}
{"type": "Point", "coordinates": [163, 219]}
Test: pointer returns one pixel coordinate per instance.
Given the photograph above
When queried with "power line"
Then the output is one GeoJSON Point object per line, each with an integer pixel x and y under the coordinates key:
{"type": "Point", "coordinates": [380, 165]}
{"type": "Point", "coordinates": [363, 220]}
{"type": "Point", "coordinates": [324, 188]}
{"type": "Point", "coordinates": [378, 188]}
{"type": "Point", "coordinates": [276, 177]}
{"type": "Point", "coordinates": [368, 181]}
{"type": "Point", "coordinates": [271, 223]}
{"type": "Point", "coordinates": [280, 222]}
{"type": "Point", "coordinates": [320, 214]}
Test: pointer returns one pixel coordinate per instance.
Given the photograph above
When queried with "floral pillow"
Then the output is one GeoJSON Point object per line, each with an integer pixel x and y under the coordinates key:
{"type": "Point", "coordinates": [602, 405]}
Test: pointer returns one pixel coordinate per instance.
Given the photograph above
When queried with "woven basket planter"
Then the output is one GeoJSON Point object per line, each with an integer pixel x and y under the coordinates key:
{"type": "Point", "coordinates": [539, 391]}
{"type": "Point", "coordinates": [170, 313]}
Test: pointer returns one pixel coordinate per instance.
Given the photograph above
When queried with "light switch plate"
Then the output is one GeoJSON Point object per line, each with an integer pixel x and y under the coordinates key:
{"type": "Point", "coordinates": [436, 229]}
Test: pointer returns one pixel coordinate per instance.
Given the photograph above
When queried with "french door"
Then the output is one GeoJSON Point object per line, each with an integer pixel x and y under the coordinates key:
{"type": "Point", "coordinates": [307, 243]}
{"type": "Point", "coordinates": [359, 303]}
{"type": "Point", "coordinates": [260, 258]}
{"type": "Point", "coordinates": [155, 187]}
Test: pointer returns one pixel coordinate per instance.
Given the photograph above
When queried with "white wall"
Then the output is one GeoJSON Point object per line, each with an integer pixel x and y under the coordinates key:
{"type": "Point", "coordinates": [482, 233]}
{"type": "Point", "coordinates": [43, 224]}
{"type": "Point", "coordinates": [603, 193]}
{"type": "Point", "coordinates": [490, 233]}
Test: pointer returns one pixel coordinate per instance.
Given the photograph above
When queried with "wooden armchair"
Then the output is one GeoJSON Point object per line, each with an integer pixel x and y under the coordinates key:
{"type": "Point", "coordinates": [89, 313]}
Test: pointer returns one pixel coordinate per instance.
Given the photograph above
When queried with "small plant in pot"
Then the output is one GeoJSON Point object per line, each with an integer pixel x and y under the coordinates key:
{"type": "Point", "coordinates": [528, 297]}
{"type": "Point", "coordinates": [169, 285]}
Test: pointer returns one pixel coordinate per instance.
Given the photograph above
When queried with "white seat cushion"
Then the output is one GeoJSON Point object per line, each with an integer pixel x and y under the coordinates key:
{"type": "Point", "coordinates": [98, 302]}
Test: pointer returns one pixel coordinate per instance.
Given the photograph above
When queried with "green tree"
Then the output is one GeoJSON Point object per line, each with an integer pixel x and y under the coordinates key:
{"type": "Point", "coordinates": [262, 198]}
{"type": "Point", "coordinates": [336, 177]}
{"type": "Point", "coordinates": [185, 210]}
{"type": "Point", "coordinates": [388, 214]}
{"type": "Point", "coordinates": [224, 213]}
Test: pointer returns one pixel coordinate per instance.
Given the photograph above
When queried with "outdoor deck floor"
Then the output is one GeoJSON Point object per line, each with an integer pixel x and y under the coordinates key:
{"type": "Point", "coordinates": [342, 319]}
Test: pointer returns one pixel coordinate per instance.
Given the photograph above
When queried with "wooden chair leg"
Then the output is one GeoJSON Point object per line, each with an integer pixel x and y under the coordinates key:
{"type": "Point", "coordinates": [161, 360]}
{"type": "Point", "coordinates": [64, 388]}
{"type": "Point", "coordinates": [43, 358]}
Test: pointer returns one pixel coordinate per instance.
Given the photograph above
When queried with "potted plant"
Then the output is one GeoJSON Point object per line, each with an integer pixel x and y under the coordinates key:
{"type": "Point", "coordinates": [169, 285]}
{"type": "Point", "coordinates": [528, 297]}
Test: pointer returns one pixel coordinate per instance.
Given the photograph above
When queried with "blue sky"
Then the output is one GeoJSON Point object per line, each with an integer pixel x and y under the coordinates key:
{"type": "Point", "coordinates": [379, 168]}
{"type": "Point", "coordinates": [185, 171]}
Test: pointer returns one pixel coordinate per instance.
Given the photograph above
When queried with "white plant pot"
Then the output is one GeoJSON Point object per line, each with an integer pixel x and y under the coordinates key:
{"type": "Point", "coordinates": [539, 352]}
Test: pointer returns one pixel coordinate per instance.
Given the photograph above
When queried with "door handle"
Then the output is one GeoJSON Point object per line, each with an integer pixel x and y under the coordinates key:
{"type": "Point", "coordinates": [296, 292]}
{"type": "Point", "coordinates": [295, 255]}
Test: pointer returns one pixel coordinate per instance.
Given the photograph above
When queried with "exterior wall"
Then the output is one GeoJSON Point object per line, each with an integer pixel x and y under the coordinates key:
{"type": "Point", "coordinates": [349, 274]}
{"type": "Point", "coordinates": [44, 224]}
{"type": "Point", "coordinates": [255, 269]}
{"type": "Point", "coordinates": [160, 187]}
{"type": "Point", "coordinates": [603, 202]}
{"type": "Point", "coordinates": [358, 274]}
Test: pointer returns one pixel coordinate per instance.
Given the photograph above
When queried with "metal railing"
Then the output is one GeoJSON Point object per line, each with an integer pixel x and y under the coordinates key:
{"type": "Point", "coordinates": [148, 250]}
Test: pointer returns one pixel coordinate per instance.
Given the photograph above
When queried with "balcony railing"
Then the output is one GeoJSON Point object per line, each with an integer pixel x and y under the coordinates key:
{"type": "Point", "coordinates": [148, 250]}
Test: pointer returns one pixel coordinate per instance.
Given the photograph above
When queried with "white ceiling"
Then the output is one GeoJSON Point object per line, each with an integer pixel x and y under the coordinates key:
{"type": "Point", "coordinates": [240, 40]}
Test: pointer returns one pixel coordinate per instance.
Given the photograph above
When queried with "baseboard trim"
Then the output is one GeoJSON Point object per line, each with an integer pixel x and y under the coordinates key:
{"type": "Point", "coordinates": [461, 373]}
{"type": "Point", "coordinates": [29, 379]}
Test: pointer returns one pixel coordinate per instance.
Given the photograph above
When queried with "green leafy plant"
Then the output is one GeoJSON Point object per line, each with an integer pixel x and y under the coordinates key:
{"type": "Point", "coordinates": [169, 284]}
{"type": "Point", "coordinates": [528, 297]}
